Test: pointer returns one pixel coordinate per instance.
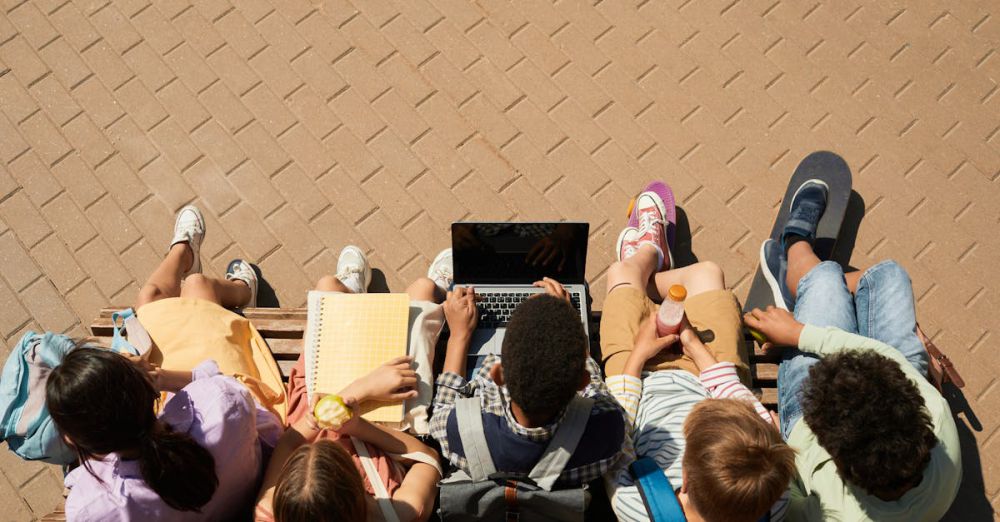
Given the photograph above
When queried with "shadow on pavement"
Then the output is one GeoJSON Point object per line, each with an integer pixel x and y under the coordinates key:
{"type": "Point", "coordinates": [971, 503]}
{"type": "Point", "coordinates": [683, 255]}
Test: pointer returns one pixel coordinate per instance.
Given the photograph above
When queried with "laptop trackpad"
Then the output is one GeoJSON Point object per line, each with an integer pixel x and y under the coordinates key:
{"type": "Point", "coordinates": [485, 342]}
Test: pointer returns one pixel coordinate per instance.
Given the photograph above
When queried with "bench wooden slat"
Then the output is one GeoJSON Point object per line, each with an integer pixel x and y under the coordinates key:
{"type": "Point", "coordinates": [283, 328]}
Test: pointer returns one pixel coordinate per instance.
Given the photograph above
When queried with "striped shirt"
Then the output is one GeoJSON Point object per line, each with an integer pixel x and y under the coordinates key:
{"type": "Point", "coordinates": [656, 407]}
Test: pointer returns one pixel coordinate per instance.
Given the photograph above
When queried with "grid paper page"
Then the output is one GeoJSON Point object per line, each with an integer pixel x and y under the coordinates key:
{"type": "Point", "coordinates": [352, 334]}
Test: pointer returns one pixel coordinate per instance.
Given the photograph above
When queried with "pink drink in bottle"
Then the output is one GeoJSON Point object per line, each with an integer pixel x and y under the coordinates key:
{"type": "Point", "coordinates": [668, 319]}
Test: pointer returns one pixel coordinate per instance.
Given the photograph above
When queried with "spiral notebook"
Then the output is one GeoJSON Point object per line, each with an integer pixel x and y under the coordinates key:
{"type": "Point", "coordinates": [349, 335]}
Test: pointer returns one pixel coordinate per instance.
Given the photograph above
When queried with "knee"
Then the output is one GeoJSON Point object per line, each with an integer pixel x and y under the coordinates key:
{"type": "Point", "coordinates": [328, 283]}
{"type": "Point", "coordinates": [422, 289]}
{"type": "Point", "coordinates": [197, 281]}
{"type": "Point", "coordinates": [887, 274]}
{"type": "Point", "coordinates": [710, 275]}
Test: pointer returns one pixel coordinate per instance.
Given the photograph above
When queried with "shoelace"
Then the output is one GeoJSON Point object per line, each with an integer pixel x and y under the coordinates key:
{"type": "Point", "coordinates": [349, 271]}
{"type": "Point", "coordinates": [649, 223]}
{"type": "Point", "coordinates": [441, 274]}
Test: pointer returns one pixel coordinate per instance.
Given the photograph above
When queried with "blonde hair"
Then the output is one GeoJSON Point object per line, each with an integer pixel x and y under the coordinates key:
{"type": "Point", "coordinates": [736, 465]}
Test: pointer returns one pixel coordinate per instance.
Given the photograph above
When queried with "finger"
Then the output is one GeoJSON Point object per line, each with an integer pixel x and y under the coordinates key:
{"type": "Point", "coordinates": [402, 396]}
{"type": "Point", "coordinates": [535, 252]}
{"type": "Point", "coordinates": [758, 314]}
{"type": "Point", "coordinates": [667, 340]}
{"type": "Point", "coordinates": [408, 382]}
{"type": "Point", "coordinates": [408, 374]}
{"type": "Point", "coordinates": [459, 292]}
{"type": "Point", "coordinates": [770, 308]}
{"type": "Point", "coordinates": [553, 252]}
{"type": "Point", "coordinates": [400, 361]}
{"type": "Point", "coordinates": [751, 321]}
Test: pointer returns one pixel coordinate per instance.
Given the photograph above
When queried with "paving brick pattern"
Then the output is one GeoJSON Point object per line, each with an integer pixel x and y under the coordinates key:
{"type": "Point", "coordinates": [301, 125]}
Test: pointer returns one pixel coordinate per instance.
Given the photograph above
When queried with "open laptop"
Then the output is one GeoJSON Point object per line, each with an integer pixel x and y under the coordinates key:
{"type": "Point", "coordinates": [502, 261]}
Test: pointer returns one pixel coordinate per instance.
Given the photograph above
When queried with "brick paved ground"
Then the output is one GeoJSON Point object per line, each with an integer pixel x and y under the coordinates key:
{"type": "Point", "coordinates": [299, 126]}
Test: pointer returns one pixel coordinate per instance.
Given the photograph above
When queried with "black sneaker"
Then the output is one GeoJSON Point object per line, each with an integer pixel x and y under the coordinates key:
{"type": "Point", "coordinates": [774, 267]}
{"type": "Point", "coordinates": [806, 209]}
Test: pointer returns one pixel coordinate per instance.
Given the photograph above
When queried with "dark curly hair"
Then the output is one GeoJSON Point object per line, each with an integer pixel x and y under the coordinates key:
{"type": "Point", "coordinates": [871, 420]}
{"type": "Point", "coordinates": [543, 355]}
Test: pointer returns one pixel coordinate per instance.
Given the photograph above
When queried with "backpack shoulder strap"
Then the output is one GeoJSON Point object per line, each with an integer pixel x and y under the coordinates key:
{"type": "Point", "coordinates": [563, 443]}
{"type": "Point", "coordinates": [469, 414]}
{"type": "Point", "coordinates": [656, 492]}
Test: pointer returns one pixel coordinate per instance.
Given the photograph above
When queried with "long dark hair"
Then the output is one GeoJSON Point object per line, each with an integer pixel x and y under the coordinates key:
{"type": "Point", "coordinates": [103, 403]}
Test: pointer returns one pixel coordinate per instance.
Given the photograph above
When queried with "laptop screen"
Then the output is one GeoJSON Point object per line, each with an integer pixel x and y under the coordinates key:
{"type": "Point", "coordinates": [519, 253]}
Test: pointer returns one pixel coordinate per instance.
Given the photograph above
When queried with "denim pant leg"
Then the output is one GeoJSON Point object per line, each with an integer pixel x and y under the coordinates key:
{"type": "Point", "coordinates": [823, 300]}
{"type": "Point", "coordinates": [886, 312]}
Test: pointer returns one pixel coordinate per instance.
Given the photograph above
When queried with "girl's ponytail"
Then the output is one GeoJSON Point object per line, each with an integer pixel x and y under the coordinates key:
{"type": "Point", "coordinates": [177, 468]}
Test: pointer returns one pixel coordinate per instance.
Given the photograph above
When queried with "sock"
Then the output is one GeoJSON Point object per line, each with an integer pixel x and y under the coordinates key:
{"type": "Point", "coordinates": [659, 253]}
{"type": "Point", "coordinates": [791, 239]}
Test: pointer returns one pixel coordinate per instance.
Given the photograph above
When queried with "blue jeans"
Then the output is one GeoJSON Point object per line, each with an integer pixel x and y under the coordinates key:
{"type": "Point", "coordinates": [882, 309]}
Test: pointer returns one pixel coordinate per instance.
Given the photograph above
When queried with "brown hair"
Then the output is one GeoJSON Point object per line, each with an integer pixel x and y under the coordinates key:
{"type": "Point", "coordinates": [320, 482]}
{"type": "Point", "coordinates": [736, 464]}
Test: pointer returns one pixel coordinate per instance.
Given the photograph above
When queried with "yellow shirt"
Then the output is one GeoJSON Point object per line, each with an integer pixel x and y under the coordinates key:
{"type": "Point", "coordinates": [818, 493]}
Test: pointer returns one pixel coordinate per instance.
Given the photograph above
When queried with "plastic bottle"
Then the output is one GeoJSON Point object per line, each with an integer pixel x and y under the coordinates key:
{"type": "Point", "coordinates": [668, 319]}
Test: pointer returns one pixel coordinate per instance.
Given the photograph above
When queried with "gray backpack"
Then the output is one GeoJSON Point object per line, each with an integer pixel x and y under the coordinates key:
{"type": "Point", "coordinates": [485, 494]}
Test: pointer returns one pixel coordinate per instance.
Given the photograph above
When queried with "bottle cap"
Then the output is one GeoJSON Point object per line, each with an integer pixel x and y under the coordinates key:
{"type": "Point", "coordinates": [677, 293]}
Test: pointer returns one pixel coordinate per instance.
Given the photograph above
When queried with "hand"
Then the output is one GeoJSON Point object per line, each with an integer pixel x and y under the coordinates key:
{"type": "Point", "coordinates": [460, 311]}
{"type": "Point", "coordinates": [779, 326]}
{"type": "Point", "coordinates": [393, 381]}
{"type": "Point", "coordinates": [151, 370]}
{"type": "Point", "coordinates": [351, 402]}
{"type": "Point", "coordinates": [547, 251]}
{"type": "Point", "coordinates": [553, 288]}
{"type": "Point", "coordinates": [647, 344]}
{"type": "Point", "coordinates": [694, 348]}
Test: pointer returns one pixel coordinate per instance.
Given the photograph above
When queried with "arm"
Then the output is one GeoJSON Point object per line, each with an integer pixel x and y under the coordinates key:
{"type": "Point", "coordinates": [461, 314]}
{"type": "Point", "coordinates": [414, 500]}
{"type": "Point", "coordinates": [304, 431]}
{"type": "Point", "coordinates": [722, 382]}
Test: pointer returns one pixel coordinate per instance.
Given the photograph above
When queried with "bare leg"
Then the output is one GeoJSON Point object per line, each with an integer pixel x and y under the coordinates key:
{"type": "Point", "coordinates": [852, 279]}
{"type": "Point", "coordinates": [165, 281]}
{"type": "Point", "coordinates": [634, 271]}
{"type": "Point", "coordinates": [329, 283]}
{"type": "Point", "coordinates": [801, 260]}
{"type": "Point", "coordinates": [229, 294]}
{"type": "Point", "coordinates": [424, 289]}
{"type": "Point", "coordinates": [696, 279]}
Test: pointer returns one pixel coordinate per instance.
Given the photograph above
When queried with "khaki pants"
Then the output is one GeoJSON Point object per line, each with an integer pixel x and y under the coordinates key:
{"type": "Point", "coordinates": [715, 313]}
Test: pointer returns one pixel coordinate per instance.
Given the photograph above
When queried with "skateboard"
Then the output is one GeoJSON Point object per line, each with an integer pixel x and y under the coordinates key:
{"type": "Point", "coordinates": [833, 170]}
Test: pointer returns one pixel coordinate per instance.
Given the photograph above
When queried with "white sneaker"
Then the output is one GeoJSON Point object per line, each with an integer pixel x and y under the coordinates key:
{"type": "Point", "coordinates": [353, 269]}
{"type": "Point", "coordinates": [190, 228]}
{"type": "Point", "coordinates": [240, 270]}
{"type": "Point", "coordinates": [442, 270]}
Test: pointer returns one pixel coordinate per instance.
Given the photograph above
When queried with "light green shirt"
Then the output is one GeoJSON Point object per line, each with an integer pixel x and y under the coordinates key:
{"type": "Point", "coordinates": [818, 493]}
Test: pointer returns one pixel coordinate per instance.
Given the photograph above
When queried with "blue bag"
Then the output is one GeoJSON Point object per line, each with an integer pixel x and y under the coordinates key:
{"type": "Point", "coordinates": [24, 420]}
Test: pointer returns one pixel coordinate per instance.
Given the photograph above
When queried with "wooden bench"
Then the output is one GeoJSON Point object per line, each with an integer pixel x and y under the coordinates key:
{"type": "Point", "coordinates": [283, 328]}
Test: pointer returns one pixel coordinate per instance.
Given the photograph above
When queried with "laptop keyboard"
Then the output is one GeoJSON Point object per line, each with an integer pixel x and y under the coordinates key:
{"type": "Point", "coordinates": [495, 308]}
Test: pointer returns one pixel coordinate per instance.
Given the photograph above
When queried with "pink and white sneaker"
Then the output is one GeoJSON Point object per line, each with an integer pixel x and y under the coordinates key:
{"type": "Point", "coordinates": [652, 227]}
{"type": "Point", "coordinates": [628, 243]}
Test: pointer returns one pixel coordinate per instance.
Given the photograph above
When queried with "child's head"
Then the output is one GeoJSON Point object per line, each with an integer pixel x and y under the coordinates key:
{"type": "Point", "coordinates": [871, 420]}
{"type": "Point", "coordinates": [102, 403]}
{"type": "Point", "coordinates": [735, 465]}
{"type": "Point", "coordinates": [544, 355]}
{"type": "Point", "coordinates": [319, 483]}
